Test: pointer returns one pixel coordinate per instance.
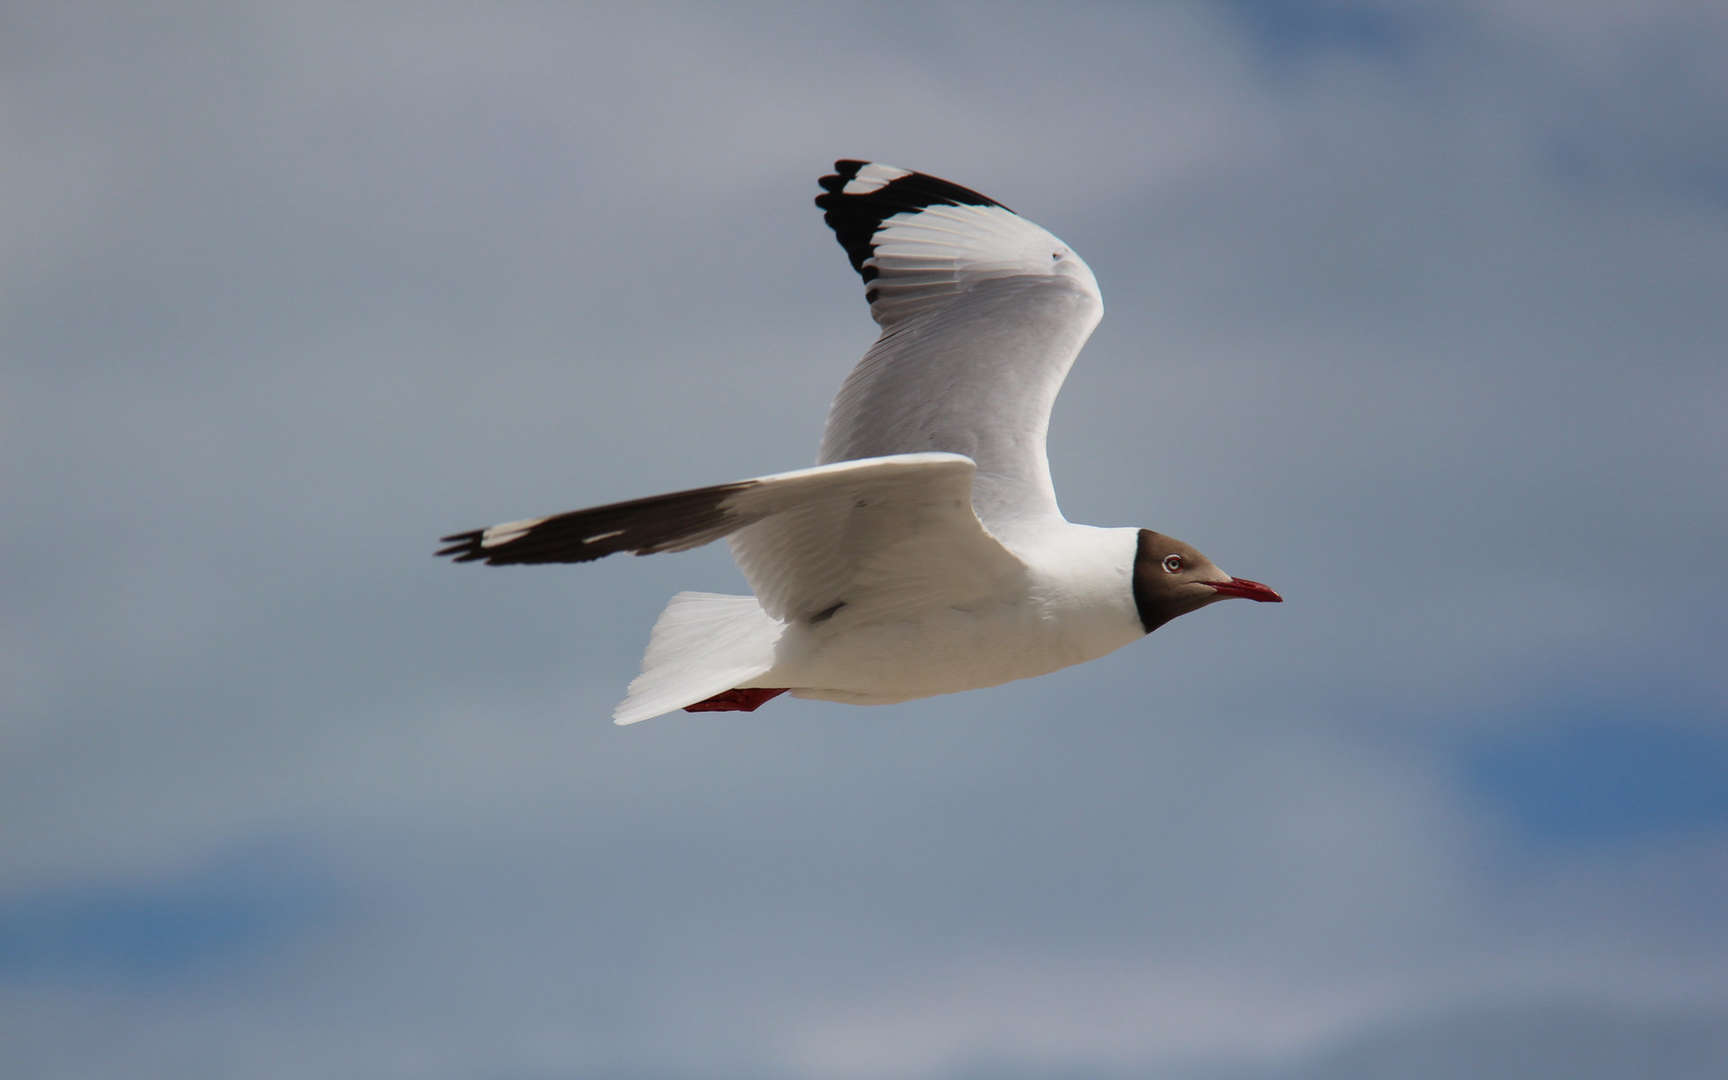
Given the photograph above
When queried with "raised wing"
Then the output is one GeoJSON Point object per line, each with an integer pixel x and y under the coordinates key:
{"type": "Point", "coordinates": [875, 535]}
{"type": "Point", "coordinates": [982, 315]}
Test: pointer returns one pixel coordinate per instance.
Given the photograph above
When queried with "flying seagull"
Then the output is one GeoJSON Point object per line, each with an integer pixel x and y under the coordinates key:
{"type": "Point", "coordinates": [925, 554]}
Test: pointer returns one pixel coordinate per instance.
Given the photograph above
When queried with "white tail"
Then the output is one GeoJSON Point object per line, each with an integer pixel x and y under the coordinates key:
{"type": "Point", "coordinates": [701, 645]}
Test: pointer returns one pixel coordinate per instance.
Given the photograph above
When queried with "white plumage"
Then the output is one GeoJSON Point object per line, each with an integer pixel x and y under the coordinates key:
{"type": "Point", "coordinates": [927, 553]}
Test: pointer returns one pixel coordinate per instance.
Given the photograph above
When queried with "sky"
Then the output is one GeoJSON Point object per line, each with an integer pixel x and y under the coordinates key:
{"type": "Point", "coordinates": [1412, 311]}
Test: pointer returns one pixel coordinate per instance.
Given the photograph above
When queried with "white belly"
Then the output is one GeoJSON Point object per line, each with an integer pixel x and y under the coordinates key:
{"type": "Point", "coordinates": [864, 661]}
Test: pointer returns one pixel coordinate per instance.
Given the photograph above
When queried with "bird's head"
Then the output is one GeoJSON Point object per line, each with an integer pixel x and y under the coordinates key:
{"type": "Point", "coordinates": [1171, 579]}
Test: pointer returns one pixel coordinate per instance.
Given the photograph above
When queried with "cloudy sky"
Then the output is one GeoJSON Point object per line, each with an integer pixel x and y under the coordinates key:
{"type": "Point", "coordinates": [1414, 311]}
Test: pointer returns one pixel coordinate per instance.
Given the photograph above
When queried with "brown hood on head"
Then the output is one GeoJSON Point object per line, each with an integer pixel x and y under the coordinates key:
{"type": "Point", "coordinates": [1171, 579]}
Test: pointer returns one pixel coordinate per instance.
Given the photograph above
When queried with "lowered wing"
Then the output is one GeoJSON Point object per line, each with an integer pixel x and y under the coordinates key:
{"type": "Point", "coordinates": [878, 535]}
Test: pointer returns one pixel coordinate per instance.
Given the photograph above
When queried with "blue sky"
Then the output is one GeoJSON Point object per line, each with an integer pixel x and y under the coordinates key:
{"type": "Point", "coordinates": [1412, 311]}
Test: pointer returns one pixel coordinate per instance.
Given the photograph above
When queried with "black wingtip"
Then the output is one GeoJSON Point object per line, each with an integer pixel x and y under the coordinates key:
{"type": "Point", "coordinates": [463, 546]}
{"type": "Point", "coordinates": [671, 522]}
{"type": "Point", "coordinates": [856, 216]}
{"type": "Point", "coordinates": [845, 170]}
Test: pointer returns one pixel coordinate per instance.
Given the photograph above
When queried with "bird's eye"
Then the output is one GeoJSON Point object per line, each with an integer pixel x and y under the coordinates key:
{"type": "Point", "coordinates": [1173, 563]}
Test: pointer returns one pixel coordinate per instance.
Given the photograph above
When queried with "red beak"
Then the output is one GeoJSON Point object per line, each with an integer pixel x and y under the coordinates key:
{"type": "Point", "coordinates": [1247, 590]}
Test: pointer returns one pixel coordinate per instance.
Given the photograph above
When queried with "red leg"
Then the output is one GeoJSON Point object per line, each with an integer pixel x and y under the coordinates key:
{"type": "Point", "coordinates": [745, 699]}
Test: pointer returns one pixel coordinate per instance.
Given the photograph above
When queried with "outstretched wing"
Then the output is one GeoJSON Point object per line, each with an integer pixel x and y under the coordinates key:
{"type": "Point", "coordinates": [875, 535]}
{"type": "Point", "coordinates": [982, 315]}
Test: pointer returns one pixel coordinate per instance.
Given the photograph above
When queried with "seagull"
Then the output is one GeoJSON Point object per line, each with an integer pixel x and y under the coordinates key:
{"type": "Point", "coordinates": [925, 554]}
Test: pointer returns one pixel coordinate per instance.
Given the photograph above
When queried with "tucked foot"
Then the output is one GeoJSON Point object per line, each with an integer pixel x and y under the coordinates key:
{"type": "Point", "coordinates": [743, 699]}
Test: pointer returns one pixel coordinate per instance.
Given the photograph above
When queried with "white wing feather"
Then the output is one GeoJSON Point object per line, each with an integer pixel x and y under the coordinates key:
{"type": "Point", "coordinates": [879, 535]}
{"type": "Point", "coordinates": [982, 315]}
{"type": "Point", "coordinates": [895, 536]}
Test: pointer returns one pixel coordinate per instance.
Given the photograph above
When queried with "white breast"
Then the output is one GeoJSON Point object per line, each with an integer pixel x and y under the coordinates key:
{"type": "Point", "coordinates": [1074, 604]}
